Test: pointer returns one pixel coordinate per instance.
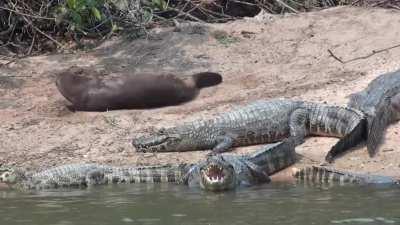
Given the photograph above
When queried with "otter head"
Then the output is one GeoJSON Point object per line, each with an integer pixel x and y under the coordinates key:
{"type": "Point", "coordinates": [163, 141]}
{"type": "Point", "coordinates": [216, 174]}
{"type": "Point", "coordinates": [72, 85]}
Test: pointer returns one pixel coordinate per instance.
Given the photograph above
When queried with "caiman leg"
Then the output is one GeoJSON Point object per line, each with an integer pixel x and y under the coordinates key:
{"type": "Point", "coordinates": [280, 155]}
{"type": "Point", "coordinates": [258, 172]}
{"type": "Point", "coordinates": [225, 142]}
{"type": "Point", "coordinates": [348, 141]}
{"type": "Point", "coordinates": [298, 126]}
{"type": "Point", "coordinates": [95, 177]}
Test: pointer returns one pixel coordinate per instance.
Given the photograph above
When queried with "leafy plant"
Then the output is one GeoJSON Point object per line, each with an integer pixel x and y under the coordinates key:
{"type": "Point", "coordinates": [224, 38]}
{"type": "Point", "coordinates": [82, 15]}
{"type": "Point", "coordinates": [160, 5]}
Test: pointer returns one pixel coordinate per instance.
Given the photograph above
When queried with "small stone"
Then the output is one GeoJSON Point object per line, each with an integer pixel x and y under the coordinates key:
{"type": "Point", "coordinates": [127, 220]}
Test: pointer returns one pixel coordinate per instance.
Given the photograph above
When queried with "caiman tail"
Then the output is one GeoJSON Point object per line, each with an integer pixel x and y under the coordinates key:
{"type": "Point", "coordinates": [84, 175]}
{"type": "Point", "coordinates": [384, 115]}
{"type": "Point", "coordinates": [321, 175]}
{"type": "Point", "coordinates": [151, 174]}
{"type": "Point", "coordinates": [357, 135]}
{"type": "Point", "coordinates": [325, 175]}
{"type": "Point", "coordinates": [345, 123]}
{"type": "Point", "coordinates": [206, 79]}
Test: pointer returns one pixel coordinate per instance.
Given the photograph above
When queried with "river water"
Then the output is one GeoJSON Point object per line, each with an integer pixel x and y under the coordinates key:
{"type": "Point", "coordinates": [168, 204]}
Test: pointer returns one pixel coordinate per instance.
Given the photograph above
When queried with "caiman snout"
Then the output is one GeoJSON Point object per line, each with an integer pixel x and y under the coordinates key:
{"type": "Point", "coordinates": [7, 177]}
{"type": "Point", "coordinates": [217, 175]}
{"type": "Point", "coordinates": [159, 142]}
{"type": "Point", "coordinates": [214, 173]}
{"type": "Point", "coordinates": [149, 144]}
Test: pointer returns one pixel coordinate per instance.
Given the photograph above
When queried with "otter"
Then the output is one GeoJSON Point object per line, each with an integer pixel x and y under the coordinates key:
{"type": "Point", "coordinates": [137, 91]}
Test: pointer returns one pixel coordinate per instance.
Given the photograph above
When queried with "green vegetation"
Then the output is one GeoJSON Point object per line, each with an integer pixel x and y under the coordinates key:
{"type": "Point", "coordinates": [28, 26]}
{"type": "Point", "coordinates": [33, 26]}
{"type": "Point", "coordinates": [224, 38]}
{"type": "Point", "coordinates": [81, 15]}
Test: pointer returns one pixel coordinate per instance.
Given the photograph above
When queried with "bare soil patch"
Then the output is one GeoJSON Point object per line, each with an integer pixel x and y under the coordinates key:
{"type": "Point", "coordinates": [264, 57]}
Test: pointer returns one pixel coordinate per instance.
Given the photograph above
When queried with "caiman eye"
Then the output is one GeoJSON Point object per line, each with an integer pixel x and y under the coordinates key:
{"type": "Point", "coordinates": [173, 140]}
{"type": "Point", "coordinates": [162, 130]}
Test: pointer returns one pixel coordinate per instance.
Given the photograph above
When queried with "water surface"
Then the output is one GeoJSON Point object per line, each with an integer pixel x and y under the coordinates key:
{"type": "Point", "coordinates": [172, 204]}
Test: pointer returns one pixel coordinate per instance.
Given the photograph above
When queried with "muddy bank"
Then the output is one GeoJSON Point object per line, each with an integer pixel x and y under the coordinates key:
{"type": "Point", "coordinates": [260, 58]}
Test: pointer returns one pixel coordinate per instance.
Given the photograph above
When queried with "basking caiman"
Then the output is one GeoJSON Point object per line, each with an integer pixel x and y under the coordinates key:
{"type": "Point", "coordinates": [380, 101]}
{"type": "Point", "coordinates": [325, 175]}
{"type": "Point", "coordinates": [217, 173]}
{"type": "Point", "coordinates": [261, 122]}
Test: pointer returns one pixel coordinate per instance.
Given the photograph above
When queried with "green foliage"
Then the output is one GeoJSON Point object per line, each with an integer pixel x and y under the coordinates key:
{"type": "Point", "coordinates": [152, 6]}
{"type": "Point", "coordinates": [82, 15]}
{"type": "Point", "coordinates": [224, 38]}
{"type": "Point", "coordinates": [159, 5]}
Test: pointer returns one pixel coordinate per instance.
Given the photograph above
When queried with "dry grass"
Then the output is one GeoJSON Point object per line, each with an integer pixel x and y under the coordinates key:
{"type": "Point", "coordinates": [32, 27]}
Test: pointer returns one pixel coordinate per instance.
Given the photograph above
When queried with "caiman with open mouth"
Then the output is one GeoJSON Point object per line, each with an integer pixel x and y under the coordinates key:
{"type": "Point", "coordinates": [217, 173]}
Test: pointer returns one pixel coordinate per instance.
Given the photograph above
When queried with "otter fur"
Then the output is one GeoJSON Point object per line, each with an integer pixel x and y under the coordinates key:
{"type": "Point", "coordinates": [102, 93]}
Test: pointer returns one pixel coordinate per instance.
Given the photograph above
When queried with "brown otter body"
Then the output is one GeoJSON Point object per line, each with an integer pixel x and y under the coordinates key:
{"type": "Point", "coordinates": [129, 92]}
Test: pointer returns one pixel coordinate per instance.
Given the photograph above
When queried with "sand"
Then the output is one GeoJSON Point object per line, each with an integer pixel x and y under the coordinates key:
{"type": "Point", "coordinates": [264, 57]}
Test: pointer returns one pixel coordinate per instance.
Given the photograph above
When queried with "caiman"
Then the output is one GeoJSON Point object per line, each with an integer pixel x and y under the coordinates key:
{"type": "Point", "coordinates": [325, 175]}
{"type": "Point", "coordinates": [261, 122]}
{"type": "Point", "coordinates": [216, 173]}
{"type": "Point", "coordinates": [380, 101]}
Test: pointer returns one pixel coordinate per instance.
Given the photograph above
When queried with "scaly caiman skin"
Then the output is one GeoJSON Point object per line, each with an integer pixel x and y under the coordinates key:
{"type": "Point", "coordinates": [217, 173]}
{"type": "Point", "coordinates": [380, 101]}
{"type": "Point", "coordinates": [261, 122]}
{"type": "Point", "coordinates": [248, 170]}
{"type": "Point", "coordinates": [83, 175]}
{"type": "Point", "coordinates": [325, 175]}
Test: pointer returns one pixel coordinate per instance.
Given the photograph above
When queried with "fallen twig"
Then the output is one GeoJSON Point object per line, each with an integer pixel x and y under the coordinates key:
{"type": "Point", "coordinates": [33, 42]}
{"type": "Point", "coordinates": [9, 62]}
{"type": "Point", "coordinates": [373, 53]}
{"type": "Point", "coordinates": [244, 3]}
{"type": "Point", "coordinates": [187, 15]}
{"type": "Point", "coordinates": [334, 56]}
{"type": "Point", "coordinates": [287, 6]}
{"type": "Point", "coordinates": [14, 76]}
{"type": "Point", "coordinates": [362, 57]}
{"type": "Point", "coordinates": [24, 14]}
{"type": "Point", "coordinates": [42, 33]}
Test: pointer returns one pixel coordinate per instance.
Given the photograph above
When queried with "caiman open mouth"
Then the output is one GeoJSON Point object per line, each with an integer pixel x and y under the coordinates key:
{"type": "Point", "coordinates": [214, 174]}
{"type": "Point", "coordinates": [217, 175]}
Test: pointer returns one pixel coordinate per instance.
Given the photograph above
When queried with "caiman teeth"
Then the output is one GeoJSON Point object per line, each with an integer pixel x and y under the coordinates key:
{"type": "Point", "coordinates": [214, 173]}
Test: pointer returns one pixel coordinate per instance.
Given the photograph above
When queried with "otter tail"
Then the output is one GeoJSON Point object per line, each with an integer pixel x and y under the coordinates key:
{"type": "Point", "coordinates": [206, 79]}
